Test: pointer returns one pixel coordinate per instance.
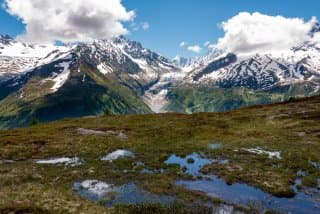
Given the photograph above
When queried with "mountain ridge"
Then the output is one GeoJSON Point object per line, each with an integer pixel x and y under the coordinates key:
{"type": "Point", "coordinates": [120, 76]}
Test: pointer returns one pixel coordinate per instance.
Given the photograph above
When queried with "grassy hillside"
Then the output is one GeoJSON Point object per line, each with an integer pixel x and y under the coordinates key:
{"type": "Point", "coordinates": [292, 128]}
{"type": "Point", "coordinates": [190, 99]}
{"type": "Point", "coordinates": [81, 95]}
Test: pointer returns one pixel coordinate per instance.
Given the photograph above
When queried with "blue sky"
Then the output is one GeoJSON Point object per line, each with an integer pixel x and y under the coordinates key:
{"type": "Point", "coordinates": [192, 21]}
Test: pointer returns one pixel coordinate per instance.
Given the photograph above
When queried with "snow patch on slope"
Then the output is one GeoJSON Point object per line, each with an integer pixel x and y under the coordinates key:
{"type": "Point", "coordinates": [17, 57]}
{"type": "Point", "coordinates": [189, 64]}
{"type": "Point", "coordinates": [104, 69]}
{"type": "Point", "coordinates": [156, 96]}
{"type": "Point", "coordinates": [17, 49]}
{"type": "Point", "coordinates": [156, 101]}
{"type": "Point", "coordinates": [15, 65]}
{"type": "Point", "coordinates": [61, 78]}
{"type": "Point", "coordinates": [96, 187]}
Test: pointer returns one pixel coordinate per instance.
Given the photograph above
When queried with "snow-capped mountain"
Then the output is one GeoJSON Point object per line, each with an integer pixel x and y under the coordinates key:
{"type": "Point", "coordinates": [87, 78]}
{"type": "Point", "coordinates": [18, 59]}
{"type": "Point", "coordinates": [107, 56]}
{"type": "Point", "coordinates": [223, 81]}
{"type": "Point", "coordinates": [189, 64]}
{"type": "Point", "coordinates": [121, 76]}
{"type": "Point", "coordinates": [129, 56]}
{"type": "Point", "coordinates": [260, 71]}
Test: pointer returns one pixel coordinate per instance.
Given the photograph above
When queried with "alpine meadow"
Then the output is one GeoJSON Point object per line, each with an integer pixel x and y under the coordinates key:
{"type": "Point", "coordinates": [118, 106]}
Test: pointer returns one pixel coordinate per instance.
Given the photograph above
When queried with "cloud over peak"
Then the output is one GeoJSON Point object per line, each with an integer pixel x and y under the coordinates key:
{"type": "Point", "coordinates": [195, 48]}
{"type": "Point", "coordinates": [69, 20]}
{"type": "Point", "coordinates": [182, 44]}
{"type": "Point", "coordinates": [248, 33]}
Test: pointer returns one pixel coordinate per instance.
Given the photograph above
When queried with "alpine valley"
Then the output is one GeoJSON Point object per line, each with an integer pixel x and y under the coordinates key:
{"type": "Point", "coordinates": [119, 76]}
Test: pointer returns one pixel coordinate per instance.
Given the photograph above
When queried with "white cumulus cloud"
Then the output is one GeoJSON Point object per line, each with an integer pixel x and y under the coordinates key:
{"type": "Point", "coordinates": [195, 48]}
{"type": "Point", "coordinates": [206, 44]}
{"type": "Point", "coordinates": [248, 33]}
{"type": "Point", "coordinates": [69, 20]}
{"type": "Point", "coordinates": [137, 26]}
{"type": "Point", "coordinates": [145, 25]}
{"type": "Point", "coordinates": [182, 44]}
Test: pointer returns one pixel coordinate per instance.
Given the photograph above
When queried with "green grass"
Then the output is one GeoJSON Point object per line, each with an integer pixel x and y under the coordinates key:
{"type": "Point", "coordinates": [190, 99]}
{"type": "Point", "coordinates": [153, 138]}
{"type": "Point", "coordinates": [97, 94]}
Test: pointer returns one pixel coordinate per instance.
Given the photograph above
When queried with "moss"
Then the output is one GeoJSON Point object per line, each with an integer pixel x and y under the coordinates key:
{"type": "Point", "coordinates": [24, 210]}
{"type": "Point", "coordinates": [310, 181]}
{"type": "Point", "coordinates": [230, 179]}
{"type": "Point", "coordinates": [176, 207]}
{"type": "Point", "coordinates": [190, 161]}
{"type": "Point", "coordinates": [34, 122]}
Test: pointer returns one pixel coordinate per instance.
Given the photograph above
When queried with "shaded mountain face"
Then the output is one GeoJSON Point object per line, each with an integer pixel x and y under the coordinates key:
{"type": "Point", "coordinates": [215, 65]}
{"type": "Point", "coordinates": [120, 76]}
{"type": "Point", "coordinates": [315, 29]}
{"type": "Point", "coordinates": [5, 39]}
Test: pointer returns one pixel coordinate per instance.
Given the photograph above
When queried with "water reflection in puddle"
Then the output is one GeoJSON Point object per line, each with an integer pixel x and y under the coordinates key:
{"type": "Point", "coordinates": [111, 195]}
{"type": "Point", "coordinates": [243, 194]}
{"type": "Point", "coordinates": [214, 146]}
{"type": "Point", "coordinates": [120, 153]}
{"type": "Point", "coordinates": [315, 164]}
{"type": "Point", "coordinates": [193, 163]}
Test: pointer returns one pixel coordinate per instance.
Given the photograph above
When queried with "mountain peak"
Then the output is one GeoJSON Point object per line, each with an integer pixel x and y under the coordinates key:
{"type": "Point", "coordinates": [188, 64]}
{"type": "Point", "coordinates": [5, 39]}
{"type": "Point", "coordinates": [5, 36]}
{"type": "Point", "coordinates": [315, 29]}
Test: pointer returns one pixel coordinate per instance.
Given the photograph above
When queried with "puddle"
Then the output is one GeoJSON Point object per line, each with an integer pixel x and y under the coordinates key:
{"type": "Point", "coordinates": [7, 161]}
{"type": "Point", "coordinates": [62, 161]}
{"type": "Point", "coordinates": [279, 116]}
{"type": "Point", "coordinates": [140, 166]}
{"type": "Point", "coordinates": [224, 209]}
{"type": "Point", "coordinates": [93, 188]}
{"type": "Point", "coordinates": [247, 195]}
{"type": "Point", "coordinates": [221, 161]}
{"type": "Point", "coordinates": [260, 151]}
{"type": "Point", "coordinates": [93, 132]}
{"type": "Point", "coordinates": [119, 135]}
{"type": "Point", "coordinates": [243, 194]}
{"type": "Point", "coordinates": [111, 195]}
{"type": "Point", "coordinates": [301, 173]}
{"type": "Point", "coordinates": [315, 164]}
{"type": "Point", "coordinates": [193, 163]}
{"type": "Point", "coordinates": [214, 146]}
{"type": "Point", "coordinates": [301, 134]}
{"type": "Point", "coordinates": [197, 207]}
{"type": "Point", "coordinates": [120, 153]}
{"type": "Point", "coordinates": [122, 136]}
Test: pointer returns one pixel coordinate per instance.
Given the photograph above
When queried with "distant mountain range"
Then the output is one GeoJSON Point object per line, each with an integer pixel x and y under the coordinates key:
{"type": "Point", "coordinates": [119, 76]}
